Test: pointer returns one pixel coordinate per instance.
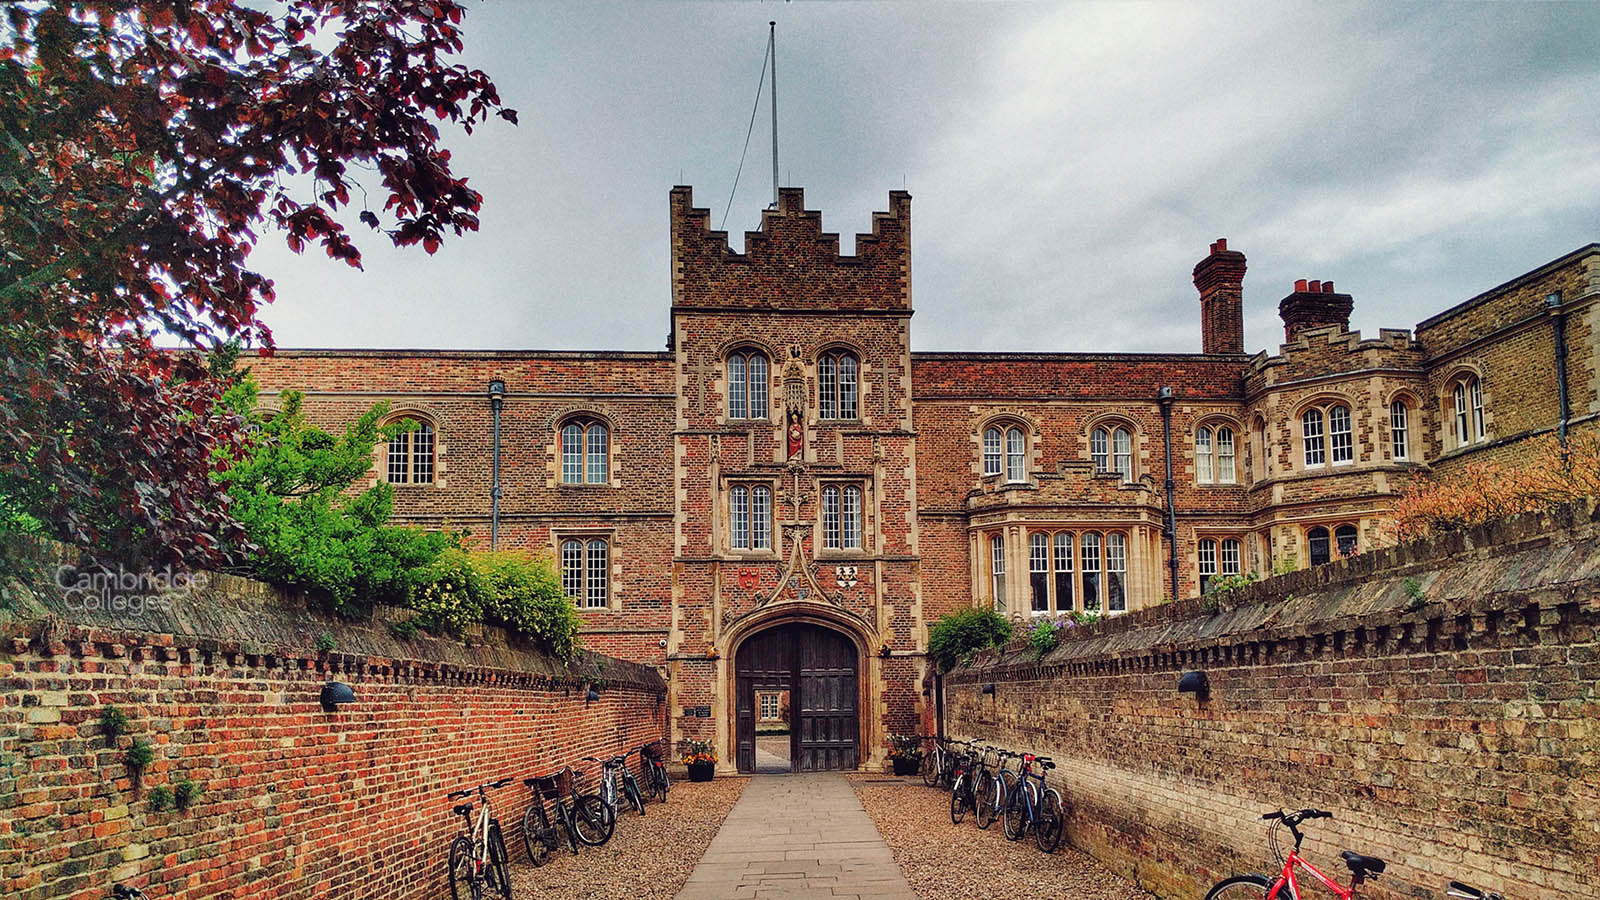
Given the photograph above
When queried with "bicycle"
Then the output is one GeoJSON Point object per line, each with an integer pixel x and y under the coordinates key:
{"type": "Point", "coordinates": [586, 821]}
{"type": "Point", "coordinates": [1468, 892]}
{"type": "Point", "coordinates": [988, 787]}
{"type": "Point", "coordinates": [126, 893]}
{"type": "Point", "coordinates": [1034, 806]}
{"type": "Point", "coordinates": [1286, 886]}
{"type": "Point", "coordinates": [962, 795]}
{"type": "Point", "coordinates": [478, 858]}
{"type": "Point", "coordinates": [656, 782]}
{"type": "Point", "coordinates": [938, 764]}
{"type": "Point", "coordinates": [617, 784]}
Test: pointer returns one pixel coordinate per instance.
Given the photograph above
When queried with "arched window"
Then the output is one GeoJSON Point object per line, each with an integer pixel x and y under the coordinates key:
{"type": "Point", "coordinates": [837, 385]}
{"type": "Point", "coordinates": [1344, 540]}
{"type": "Point", "coordinates": [997, 572]}
{"type": "Point", "coordinates": [991, 451]}
{"type": "Point", "coordinates": [410, 457]}
{"type": "Point", "coordinates": [585, 452]}
{"type": "Point", "coordinates": [1039, 572]}
{"type": "Point", "coordinates": [1116, 572]}
{"type": "Point", "coordinates": [1263, 466]}
{"type": "Point", "coordinates": [750, 509]}
{"type": "Point", "coordinates": [1399, 430]}
{"type": "Point", "coordinates": [1341, 448]}
{"type": "Point", "coordinates": [1091, 571]}
{"type": "Point", "coordinates": [1216, 558]}
{"type": "Point", "coordinates": [1206, 563]}
{"type": "Point", "coordinates": [1063, 570]}
{"type": "Point", "coordinates": [841, 517]}
{"type": "Point", "coordinates": [1016, 455]}
{"type": "Point", "coordinates": [1214, 455]}
{"type": "Point", "coordinates": [1317, 542]}
{"type": "Point", "coordinates": [1311, 438]}
{"type": "Point", "coordinates": [585, 572]}
{"type": "Point", "coordinates": [1111, 448]}
{"type": "Point", "coordinates": [1468, 396]}
{"type": "Point", "coordinates": [747, 385]}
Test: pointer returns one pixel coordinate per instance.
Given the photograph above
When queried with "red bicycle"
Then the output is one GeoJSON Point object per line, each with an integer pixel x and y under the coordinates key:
{"type": "Point", "coordinates": [1286, 886]}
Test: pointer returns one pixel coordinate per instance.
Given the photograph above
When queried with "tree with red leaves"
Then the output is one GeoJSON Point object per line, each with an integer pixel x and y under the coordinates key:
{"type": "Point", "coordinates": [145, 147]}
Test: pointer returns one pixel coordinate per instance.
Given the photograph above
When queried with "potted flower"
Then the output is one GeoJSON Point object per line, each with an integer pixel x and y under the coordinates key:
{"type": "Point", "coordinates": [905, 751]}
{"type": "Point", "coordinates": [700, 759]}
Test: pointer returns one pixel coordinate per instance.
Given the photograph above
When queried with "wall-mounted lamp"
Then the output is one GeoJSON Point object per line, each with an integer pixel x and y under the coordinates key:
{"type": "Point", "coordinates": [1195, 683]}
{"type": "Point", "coordinates": [335, 693]}
{"type": "Point", "coordinates": [592, 695]}
{"type": "Point", "coordinates": [884, 651]}
{"type": "Point", "coordinates": [497, 396]}
{"type": "Point", "coordinates": [989, 689]}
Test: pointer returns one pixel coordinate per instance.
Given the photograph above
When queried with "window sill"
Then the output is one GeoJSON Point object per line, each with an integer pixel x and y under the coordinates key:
{"type": "Point", "coordinates": [763, 555]}
{"type": "Point", "coordinates": [583, 485]}
{"type": "Point", "coordinates": [841, 554]}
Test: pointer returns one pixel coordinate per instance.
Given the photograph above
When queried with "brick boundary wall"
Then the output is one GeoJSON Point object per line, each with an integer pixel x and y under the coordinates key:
{"type": "Point", "coordinates": [1441, 700]}
{"type": "Point", "coordinates": [297, 802]}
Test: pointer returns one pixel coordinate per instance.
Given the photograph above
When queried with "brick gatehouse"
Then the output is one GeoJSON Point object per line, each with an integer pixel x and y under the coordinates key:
{"type": "Point", "coordinates": [788, 495]}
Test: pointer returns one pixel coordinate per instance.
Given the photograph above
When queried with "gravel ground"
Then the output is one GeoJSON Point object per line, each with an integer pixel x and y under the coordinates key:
{"type": "Point", "coordinates": [960, 862]}
{"type": "Point", "coordinates": [648, 858]}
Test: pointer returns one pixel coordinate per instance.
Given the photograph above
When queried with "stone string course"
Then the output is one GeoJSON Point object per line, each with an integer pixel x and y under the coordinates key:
{"type": "Point", "coordinates": [297, 802]}
{"type": "Point", "coordinates": [1440, 700]}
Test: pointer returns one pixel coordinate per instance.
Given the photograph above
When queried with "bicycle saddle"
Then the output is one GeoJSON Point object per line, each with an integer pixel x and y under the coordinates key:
{"type": "Point", "coordinates": [1363, 865]}
{"type": "Point", "coordinates": [1044, 761]}
{"type": "Point", "coordinates": [462, 809]}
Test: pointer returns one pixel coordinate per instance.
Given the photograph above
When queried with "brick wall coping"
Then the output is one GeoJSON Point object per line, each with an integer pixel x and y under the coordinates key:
{"type": "Point", "coordinates": [1445, 586]}
{"type": "Point", "coordinates": [1043, 356]}
{"type": "Point", "coordinates": [252, 624]}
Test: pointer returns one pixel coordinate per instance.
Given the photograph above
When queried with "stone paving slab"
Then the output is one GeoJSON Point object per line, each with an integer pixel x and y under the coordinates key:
{"type": "Point", "coordinates": [797, 837]}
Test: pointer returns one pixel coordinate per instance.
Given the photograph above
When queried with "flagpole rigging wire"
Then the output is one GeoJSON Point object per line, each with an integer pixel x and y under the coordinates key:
{"type": "Point", "coordinates": [748, 132]}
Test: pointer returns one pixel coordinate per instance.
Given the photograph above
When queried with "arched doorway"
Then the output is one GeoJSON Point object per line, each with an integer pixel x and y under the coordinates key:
{"type": "Point", "coordinates": [819, 671]}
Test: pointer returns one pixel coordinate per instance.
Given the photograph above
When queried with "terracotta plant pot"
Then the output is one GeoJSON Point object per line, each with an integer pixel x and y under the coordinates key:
{"type": "Point", "coordinates": [702, 771]}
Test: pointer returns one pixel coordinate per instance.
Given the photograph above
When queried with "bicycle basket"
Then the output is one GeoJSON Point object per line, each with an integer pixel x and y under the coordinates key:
{"type": "Point", "coordinates": [557, 784]}
{"type": "Point", "coordinates": [652, 750]}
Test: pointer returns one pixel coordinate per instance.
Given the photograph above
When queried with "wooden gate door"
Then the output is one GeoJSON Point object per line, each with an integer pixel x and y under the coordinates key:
{"type": "Point", "coordinates": [765, 663]}
{"type": "Point", "coordinates": [818, 668]}
{"type": "Point", "coordinates": [827, 729]}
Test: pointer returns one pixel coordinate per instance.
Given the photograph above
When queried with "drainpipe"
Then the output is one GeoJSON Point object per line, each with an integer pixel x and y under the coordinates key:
{"type": "Point", "coordinates": [497, 395]}
{"type": "Point", "coordinates": [1164, 397]}
{"type": "Point", "coordinates": [1553, 303]}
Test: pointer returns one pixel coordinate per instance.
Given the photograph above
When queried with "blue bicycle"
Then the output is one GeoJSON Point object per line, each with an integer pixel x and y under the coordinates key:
{"type": "Point", "coordinates": [1033, 804]}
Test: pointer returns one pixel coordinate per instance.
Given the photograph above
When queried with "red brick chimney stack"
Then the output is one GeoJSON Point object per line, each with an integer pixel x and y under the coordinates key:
{"type": "Point", "coordinates": [1220, 280]}
{"type": "Point", "coordinates": [1313, 304]}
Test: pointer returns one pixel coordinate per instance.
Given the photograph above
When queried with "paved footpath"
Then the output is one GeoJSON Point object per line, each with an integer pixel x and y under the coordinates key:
{"type": "Point", "coordinates": [797, 837]}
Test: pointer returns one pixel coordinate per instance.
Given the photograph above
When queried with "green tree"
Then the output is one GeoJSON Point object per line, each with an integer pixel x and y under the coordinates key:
{"type": "Point", "coordinates": [293, 490]}
{"type": "Point", "coordinates": [958, 635]}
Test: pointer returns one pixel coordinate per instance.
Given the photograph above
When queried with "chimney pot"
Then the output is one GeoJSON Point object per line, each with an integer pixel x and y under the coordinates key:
{"type": "Point", "coordinates": [1314, 286]}
{"type": "Point", "coordinates": [1299, 284]}
{"type": "Point", "coordinates": [1221, 245]}
{"type": "Point", "coordinates": [1327, 287]}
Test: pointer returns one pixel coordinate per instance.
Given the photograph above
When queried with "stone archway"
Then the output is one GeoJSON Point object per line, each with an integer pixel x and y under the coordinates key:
{"type": "Point", "coordinates": [820, 669]}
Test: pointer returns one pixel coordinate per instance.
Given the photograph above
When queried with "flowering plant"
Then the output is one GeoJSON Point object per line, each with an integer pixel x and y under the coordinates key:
{"type": "Point", "coordinates": [1045, 633]}
{"type": "Point", "coordinates": [698, 752]}
{"type": "Point", "coordinates": [905, 746]}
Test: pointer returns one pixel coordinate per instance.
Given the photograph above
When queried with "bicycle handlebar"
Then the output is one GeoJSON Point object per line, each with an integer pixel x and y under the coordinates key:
{"type": "Point", "coordinates": [126, 893]}
{"type": "Point", "coordinates": [1295, 818]}
{"type": "Point", "coordinates": [468, 792]}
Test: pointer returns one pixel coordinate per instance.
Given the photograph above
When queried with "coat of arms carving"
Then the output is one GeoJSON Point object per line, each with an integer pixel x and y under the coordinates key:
{"type": "Point", "coordinates": [846, 576]}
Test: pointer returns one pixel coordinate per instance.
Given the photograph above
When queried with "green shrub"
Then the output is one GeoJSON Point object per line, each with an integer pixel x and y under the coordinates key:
{"type": "Point", "coordinates": [955, 637]}
{"type": "Point", "coordinates": [138, 756]}
{"type": "Point", "coordinates": [450, 593]}
{"type": "Point", "coordinates": [524, 594]}
{"type": "Point", "coordinates": [114, 722]}
{"type": "Point", "coordinates": [160, 798]}
{"type": "Point", "coordinates": [1044, 634]}
{"type": "Point", "coordinates": [185, 794]}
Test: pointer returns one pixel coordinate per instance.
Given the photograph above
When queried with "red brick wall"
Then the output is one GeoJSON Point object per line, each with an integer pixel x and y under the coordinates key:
{"type": "Point", "coordinates": [1440, 701]}
{"type": "Point", "coordinates": [297, 802]}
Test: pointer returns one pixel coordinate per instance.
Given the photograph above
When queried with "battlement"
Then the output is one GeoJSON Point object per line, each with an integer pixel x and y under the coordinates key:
{"type": "Point", "coordinates": [790, 263]}
{"type": "Point", "coordinates": [1333, 348]}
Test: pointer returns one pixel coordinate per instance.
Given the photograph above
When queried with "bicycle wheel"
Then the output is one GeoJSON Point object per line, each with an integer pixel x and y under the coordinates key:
{"type": "Point", "coordinates": [593, 819]}
{"type": "Point", "coordinates": [665, 783]}
{"type": "Point", "coordinates": [958, 799]}
{"type": "Point", "coordinates": [930, 769]}
{"type": "Point", "coordinates": [564, 815]}
{"type": "Point", "coordinates": [1050, 823]}
{"type": "Point", "coordinates": [537, 835]}
{"type": "Point", "coordinates": [631, 789]}
{"type": "Point", "coordinates": [497, 874]}
{"type": "Point", "coordinates": [1018, 807]}
{"type": "Point", "coordinates": [464, 884]}
{"type": "Point", "coordinates": [1242, 887]}
{"type": "Point", "coordinates": [987, 799]}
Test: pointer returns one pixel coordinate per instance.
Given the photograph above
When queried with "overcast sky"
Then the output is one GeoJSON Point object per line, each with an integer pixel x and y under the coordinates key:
{"type": "Point", "coordinates": [1069, 164]}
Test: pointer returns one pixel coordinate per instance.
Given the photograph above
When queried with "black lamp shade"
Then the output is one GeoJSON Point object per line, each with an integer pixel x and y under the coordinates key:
{"type": "Point", "coordinates": [1195, 683]}
{"type": "Point", "coordinates": [334, 693]}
